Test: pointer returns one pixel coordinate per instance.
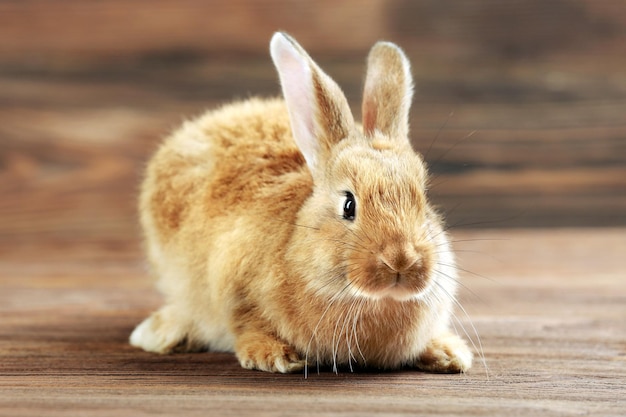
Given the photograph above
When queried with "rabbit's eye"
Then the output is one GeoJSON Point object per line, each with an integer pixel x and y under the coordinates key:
{"type": "Point", "coordinates": [349, 206]}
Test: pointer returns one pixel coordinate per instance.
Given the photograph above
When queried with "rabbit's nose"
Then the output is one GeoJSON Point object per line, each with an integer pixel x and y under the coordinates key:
{"type": "Point", "coordinates": [401, 258]}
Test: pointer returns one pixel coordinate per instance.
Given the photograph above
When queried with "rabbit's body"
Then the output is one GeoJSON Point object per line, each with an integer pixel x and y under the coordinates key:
{"type": "Point", "coordinates": [201, 186]}
{"type": "Point", "coordinates": [250, 223]}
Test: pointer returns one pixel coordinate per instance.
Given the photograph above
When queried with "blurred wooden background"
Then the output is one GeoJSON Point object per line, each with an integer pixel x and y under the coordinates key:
{"type": "Point", "coordinates": [87, 90]}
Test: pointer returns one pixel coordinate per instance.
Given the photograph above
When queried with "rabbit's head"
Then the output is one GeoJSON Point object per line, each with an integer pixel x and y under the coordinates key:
{"type": "Point", "coordinates": [370, 223]}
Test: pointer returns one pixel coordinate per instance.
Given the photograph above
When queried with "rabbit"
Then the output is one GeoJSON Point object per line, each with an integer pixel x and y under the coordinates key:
{"type": "Point", "coordinates": [287, 233]}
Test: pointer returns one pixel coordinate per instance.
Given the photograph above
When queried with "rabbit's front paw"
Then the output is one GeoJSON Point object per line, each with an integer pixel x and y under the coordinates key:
{"type": "Point", "coordinates": [267, 354]}
{"type": "Point", "coordinates": [447, 353]}
{"type": "Point", "coordinates": [159, 333]}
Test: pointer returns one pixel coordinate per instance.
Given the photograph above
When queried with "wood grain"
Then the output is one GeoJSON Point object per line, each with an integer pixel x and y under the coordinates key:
{"type": "Point", "coordinates": [548, 306]}
{"type": "Point", "coordinates": [32, 30]}
{"type": "Point", "coordinates": [547, 164]}
{"type": "Point", "coordinates": [520, 127]}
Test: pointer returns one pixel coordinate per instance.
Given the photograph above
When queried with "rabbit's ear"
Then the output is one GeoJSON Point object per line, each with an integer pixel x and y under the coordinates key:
{"type": "Point", "coordinates": [318, 110]}
{"type": "Point", "coordinates": [388, 91]}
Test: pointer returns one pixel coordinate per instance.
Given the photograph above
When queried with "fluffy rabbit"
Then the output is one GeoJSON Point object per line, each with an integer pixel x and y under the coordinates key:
{"type": "Point", "coordinates": [283, 231]}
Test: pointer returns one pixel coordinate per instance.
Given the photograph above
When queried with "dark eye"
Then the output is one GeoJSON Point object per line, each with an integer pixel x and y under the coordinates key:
{"type": "Point", "coordinates": [349, 207]}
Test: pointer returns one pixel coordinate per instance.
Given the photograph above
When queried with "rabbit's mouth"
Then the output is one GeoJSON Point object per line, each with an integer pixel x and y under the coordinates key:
{"type": "Point", "coordinates": [405, 288]}
{"type": "Point", "coordinates": [397, 286]}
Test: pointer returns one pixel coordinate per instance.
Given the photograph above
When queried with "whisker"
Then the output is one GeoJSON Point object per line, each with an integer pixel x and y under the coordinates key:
{"type": "Point", "coordinates": [467, 271]}
{"type": "Point", "coordinates": [335, 347]}
{"type": "Point", "coordinates": [357, 236]}
{"type": "Point", "coordinates": [487, 239]}
{"type": "Point", "coordinates": [478, 347]}
{"type": "Point", "coordinates": [477, 252]}
{"type": "Point", "coordinates": [348, 335]}
{"type": "Point", "coordinates": [292, 223]}
{"type": "Point", "coordinates": [486, 222]}
{"type": "Point", "coordinates": [455, 144]}
{"type": "Point", "coordinates": [314, 333]}
{"type": "Point", "coordinates": [458, 282]}
{"type": "Point", "coordinates": [432, 185]}
{"type": "Point", "coordinates": [443, 126]}
{"type": "Point", "coordinates": [357, 316]}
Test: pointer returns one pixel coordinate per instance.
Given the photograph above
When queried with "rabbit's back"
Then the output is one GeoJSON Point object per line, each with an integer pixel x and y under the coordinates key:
{"type": "Point", "coordinates": [241, 156]}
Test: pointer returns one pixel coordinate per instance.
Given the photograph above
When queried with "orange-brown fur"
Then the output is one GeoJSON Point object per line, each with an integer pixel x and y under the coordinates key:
{"type": "Point", "coordinates": [241, 210]}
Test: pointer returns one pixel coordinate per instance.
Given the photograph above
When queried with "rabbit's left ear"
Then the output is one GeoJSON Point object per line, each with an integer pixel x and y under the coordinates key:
{"type": "Point", "coordinates": [388, 92]}
{"type": "Point", "coordinates": [319, 112]}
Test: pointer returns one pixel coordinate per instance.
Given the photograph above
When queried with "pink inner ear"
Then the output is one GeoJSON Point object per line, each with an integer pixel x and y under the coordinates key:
{"type": "Point", "coordinates": [294, 70]}
{"type": "Point", "coordinates": [296, 76]}
{"type": "Point", "coordinates": [369, 115]}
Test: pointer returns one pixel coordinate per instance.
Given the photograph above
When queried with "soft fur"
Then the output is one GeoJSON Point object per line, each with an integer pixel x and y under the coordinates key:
{"type": "Point", "coordinates": [244, 225]}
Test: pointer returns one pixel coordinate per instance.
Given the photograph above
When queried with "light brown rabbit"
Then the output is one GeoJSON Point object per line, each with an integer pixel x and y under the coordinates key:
{"type": "Point", "coordinates": [290, 235]}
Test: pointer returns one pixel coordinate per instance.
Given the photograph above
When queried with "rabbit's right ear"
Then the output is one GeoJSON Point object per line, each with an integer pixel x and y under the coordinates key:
{"type": "Point", "coordinates": [388, 92]}
{"type": "Point", "coordinates": [318, 110]}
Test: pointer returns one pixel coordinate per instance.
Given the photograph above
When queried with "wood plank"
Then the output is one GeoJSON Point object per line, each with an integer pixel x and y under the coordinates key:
{"type": "Point", "coordinates": [32, 30]}
{"type": "Point", "coordinates": [547, 304]}
{"type": "Point", "coordinates": [75, 30]}
{"type": "Point", "coordinates": [73, 151]}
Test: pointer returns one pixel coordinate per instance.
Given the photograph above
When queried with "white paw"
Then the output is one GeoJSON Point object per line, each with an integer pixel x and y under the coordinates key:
{"type": "Point", "coordinates": [143, 337]}
{"type": "Point", "coordinates": [151, 337]}
{"type": "Point", "coordinates": [464, 358]}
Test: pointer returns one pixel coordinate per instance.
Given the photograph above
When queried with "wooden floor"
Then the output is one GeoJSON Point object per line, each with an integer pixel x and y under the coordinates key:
{"type": "Point", "coordinates": [548, 305]}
